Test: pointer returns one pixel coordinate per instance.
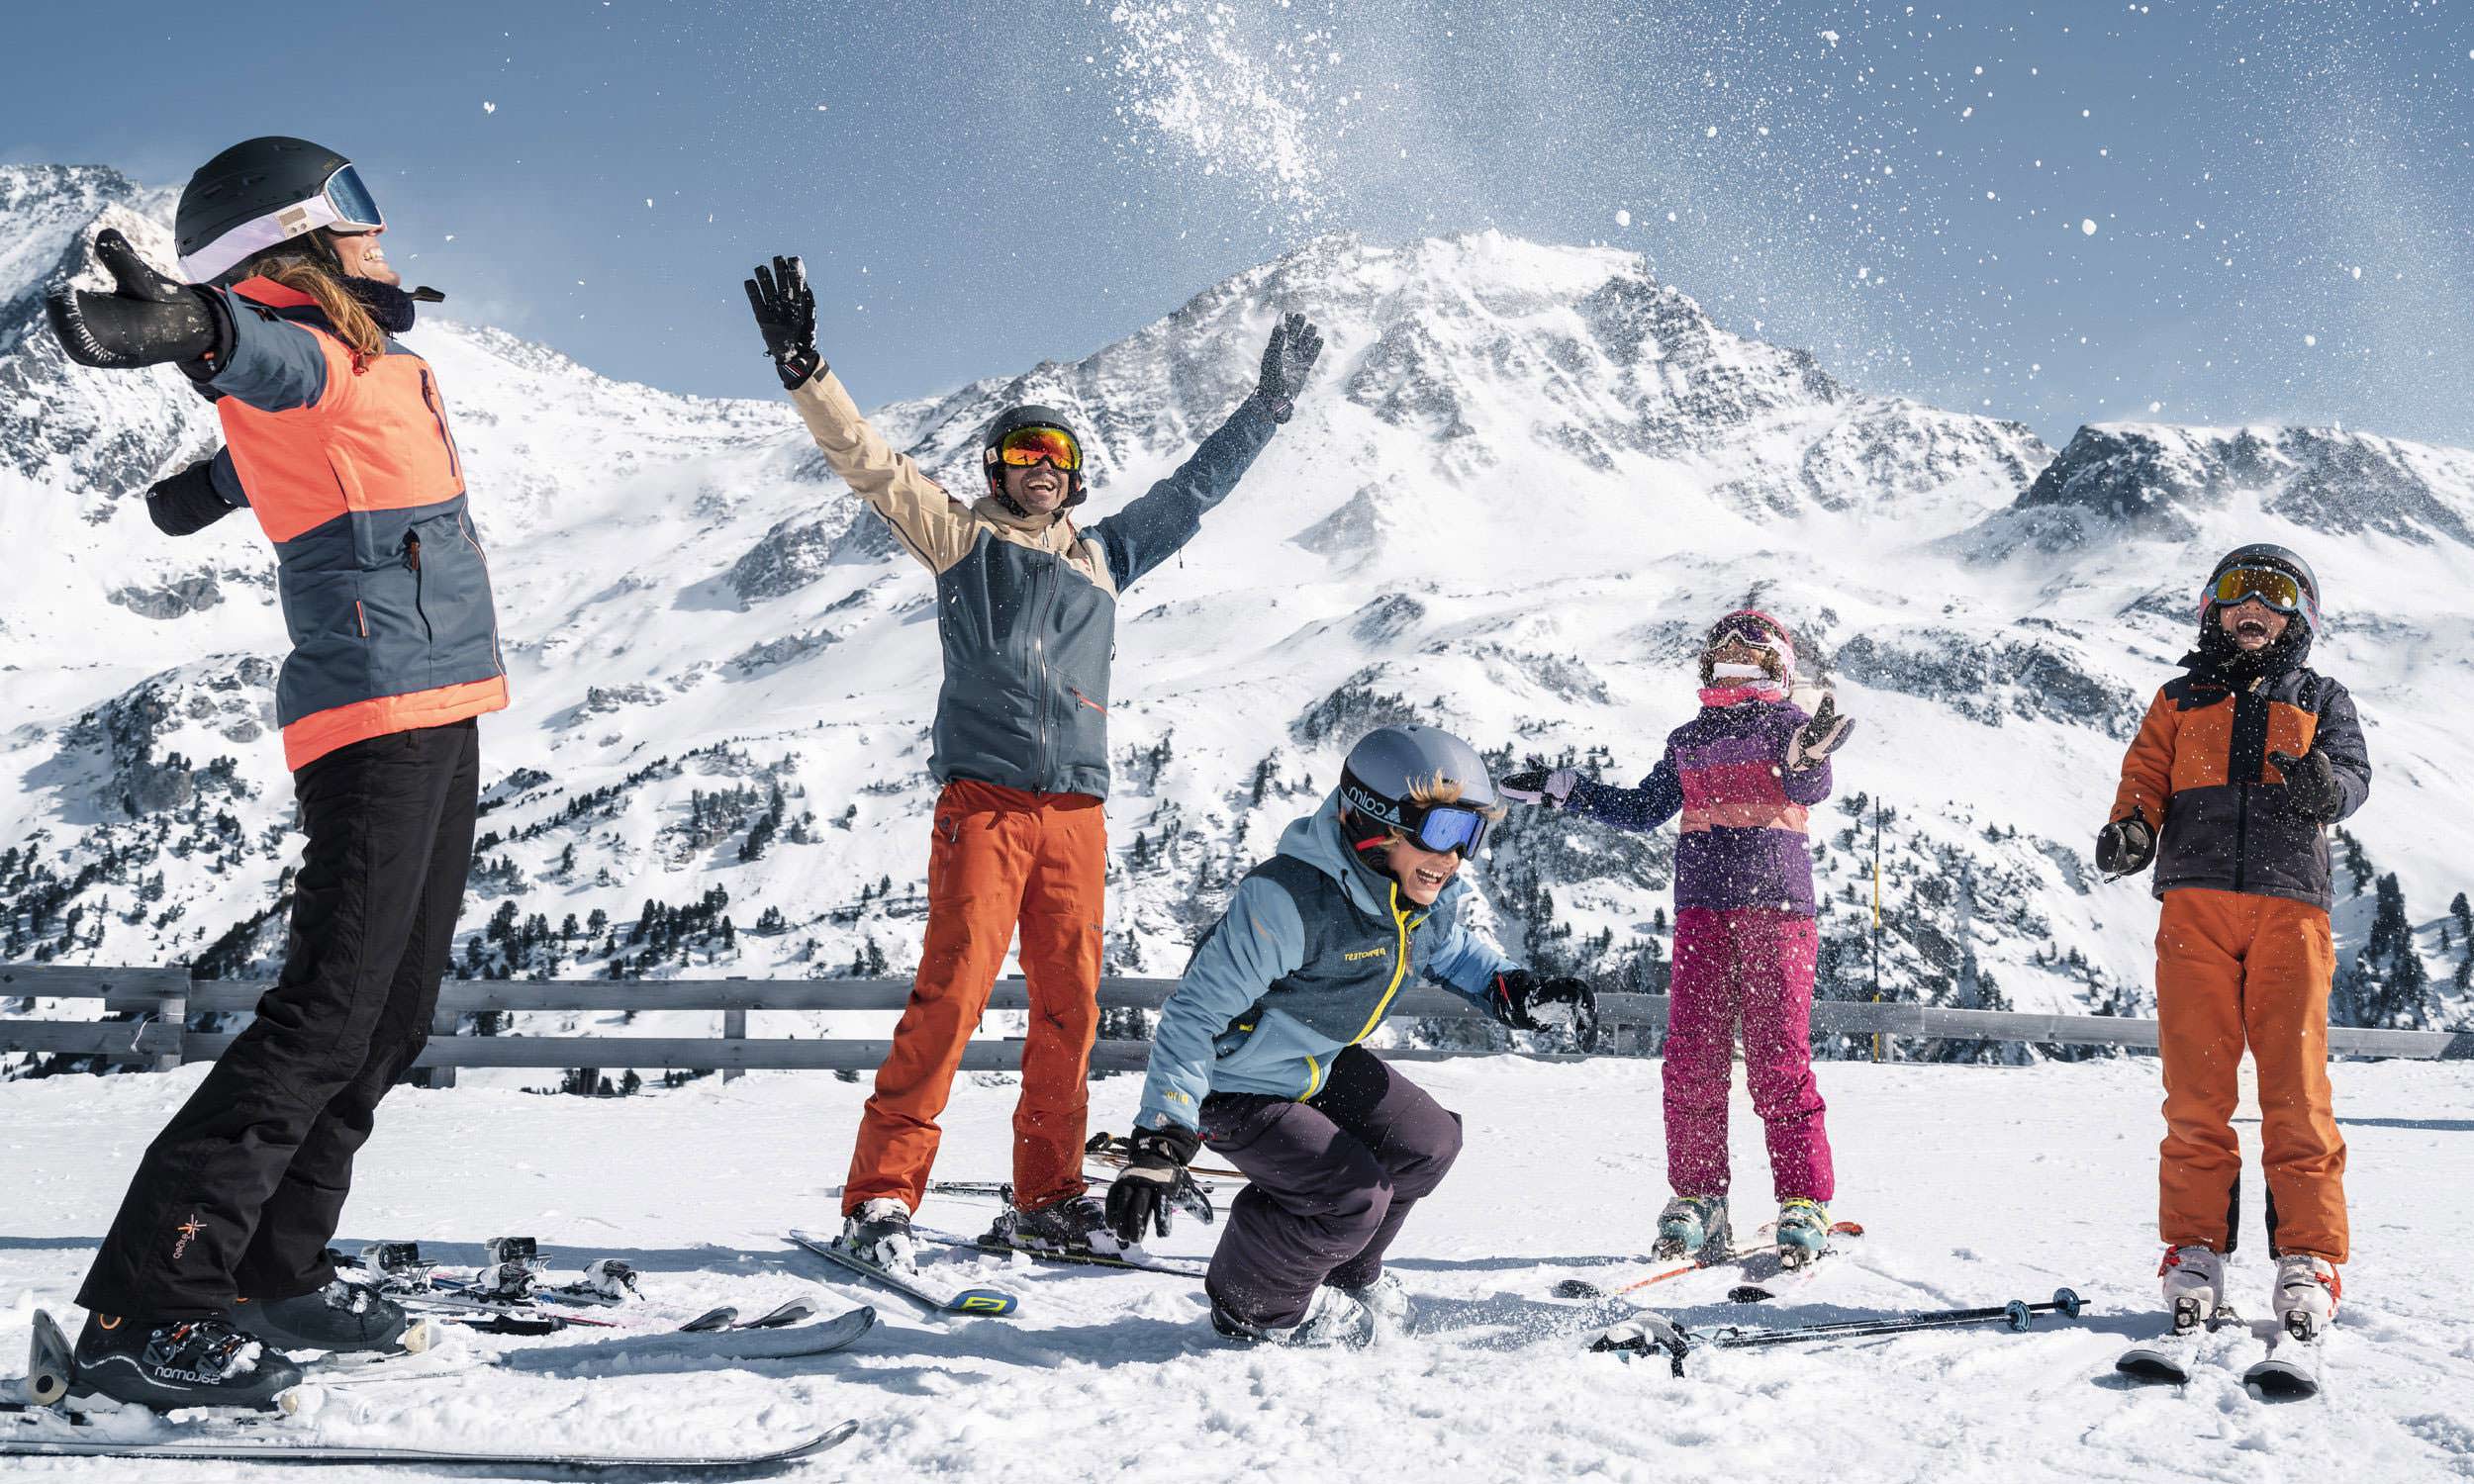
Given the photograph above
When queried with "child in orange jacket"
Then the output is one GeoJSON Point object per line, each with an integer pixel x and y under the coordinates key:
{"type": "Point", "coordinates": [2240, 767]}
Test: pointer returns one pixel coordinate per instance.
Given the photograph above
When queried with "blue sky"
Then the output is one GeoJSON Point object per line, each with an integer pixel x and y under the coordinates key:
{"type": "Point", "coordinates": [2060, 213]}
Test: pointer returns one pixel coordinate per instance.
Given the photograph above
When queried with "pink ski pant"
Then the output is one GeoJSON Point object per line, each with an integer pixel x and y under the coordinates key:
{"type": "Point", "coordinates": [1754, 965]}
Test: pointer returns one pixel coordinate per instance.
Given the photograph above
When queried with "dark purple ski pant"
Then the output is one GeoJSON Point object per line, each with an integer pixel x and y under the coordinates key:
{"type": "Point", "coordinates": [1333, 1179]}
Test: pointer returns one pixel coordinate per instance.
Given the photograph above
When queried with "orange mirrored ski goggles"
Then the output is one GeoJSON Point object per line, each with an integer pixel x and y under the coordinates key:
{"type": "Point", "coordinates": [2277, 590]}
{"type": "Point", "coordinates": [1024, 447]}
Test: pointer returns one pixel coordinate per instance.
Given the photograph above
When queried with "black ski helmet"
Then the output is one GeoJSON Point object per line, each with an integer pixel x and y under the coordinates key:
{"type": "Point", "coordinates": [260, 193]}
{"type": "Point", "coordinates": [1391, 764]}
{"type": "Point", "coordinates": [2265, 554]}
{"type": "Point", "coordinates": [1029, 415]}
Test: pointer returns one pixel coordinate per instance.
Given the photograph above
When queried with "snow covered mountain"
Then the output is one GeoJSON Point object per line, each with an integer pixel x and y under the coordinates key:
{"type": "Point", "coordinates": [1525, 479]}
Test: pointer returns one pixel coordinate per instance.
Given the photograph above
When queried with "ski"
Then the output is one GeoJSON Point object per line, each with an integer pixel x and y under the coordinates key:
{"type": "Point", "coordinates": [1135, 1261]}
{"type": "Point", "coordinates": [976, 1303]}
{"type": "Point", "coordinates": [739, 1343]}
{"type": "Point", "coordinates": [1582, 1288]}
{"type": "Point", "coordinates": [2171, 1359]}
{"type": "Point", "coordinates": [76, 1433]}
{"type": "Point", "coordinates": [2291, 1369]}
{"type": "Point", "coordinates": [51, 1371]}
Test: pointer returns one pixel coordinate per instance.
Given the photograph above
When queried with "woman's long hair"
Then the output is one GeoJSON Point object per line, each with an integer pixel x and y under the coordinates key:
{"type": "Point", "coordinates": [296, 268]}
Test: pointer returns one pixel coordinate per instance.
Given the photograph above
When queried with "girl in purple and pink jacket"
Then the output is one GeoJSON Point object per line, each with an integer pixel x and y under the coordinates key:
{"type": "Point", "coordinates": [1743, 774]}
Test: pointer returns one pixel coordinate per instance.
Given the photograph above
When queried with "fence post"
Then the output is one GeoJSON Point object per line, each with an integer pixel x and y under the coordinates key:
{"type": "Point", "coordinates": [442, 1023]}
{"type": "Point", "coordinates": [173, 1010]}
{"type": "Point", "coordinates": [734, 1028]}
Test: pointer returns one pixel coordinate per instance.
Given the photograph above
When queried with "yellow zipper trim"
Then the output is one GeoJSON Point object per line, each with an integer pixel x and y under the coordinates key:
{"type": "Point", "coordinates": [1399, 967]}
{"type": "Point", "coordinates": [1313, 1077]}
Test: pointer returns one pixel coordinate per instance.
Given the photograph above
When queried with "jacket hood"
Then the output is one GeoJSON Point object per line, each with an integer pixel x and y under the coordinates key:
{"type": "Point", "coordinates": [1318, 840]}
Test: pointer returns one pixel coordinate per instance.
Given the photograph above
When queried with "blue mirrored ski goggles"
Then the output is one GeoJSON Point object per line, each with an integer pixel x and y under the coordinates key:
{"type": "Point", "coordinates": [1446, 827]}
{"type": "Point", "coordinates": [355, 208]}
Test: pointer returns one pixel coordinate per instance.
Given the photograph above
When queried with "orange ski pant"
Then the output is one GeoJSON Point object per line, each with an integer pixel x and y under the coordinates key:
{"type": "Point", "coordinates": [1001, 858]}
{"type": "Point", "coordinates": [2233, 970]}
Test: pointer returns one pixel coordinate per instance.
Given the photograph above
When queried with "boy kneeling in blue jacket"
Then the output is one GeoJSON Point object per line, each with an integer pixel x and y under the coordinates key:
{"type": "Point", "coordinates": [1256, 1048]}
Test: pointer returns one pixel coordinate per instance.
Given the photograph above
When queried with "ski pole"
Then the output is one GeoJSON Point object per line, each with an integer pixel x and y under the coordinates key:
{"type": "Point", "coordinates": [2016, 1314]}
{"type": "Point", "coordinates": [1654, 1334]}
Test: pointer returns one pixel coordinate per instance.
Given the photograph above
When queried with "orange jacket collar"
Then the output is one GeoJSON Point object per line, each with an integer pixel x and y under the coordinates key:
{"type": "Point", "coordinates": [271, 294]}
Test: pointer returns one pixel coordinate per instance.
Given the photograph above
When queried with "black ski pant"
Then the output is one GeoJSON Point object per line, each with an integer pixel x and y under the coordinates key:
{"type": "Point", "coordinates": [1333, 1179]}
{"type": "Point", "coordinates": [240, 1195]}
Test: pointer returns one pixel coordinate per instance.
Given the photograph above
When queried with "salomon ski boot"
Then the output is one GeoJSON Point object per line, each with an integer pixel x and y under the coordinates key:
{"type": "Point", "coordinates": [1333, 1319]}
{"type": "Point", "coordinates": [1803, 1231]}
{"type": "Point", "coordinates": [879, 1232]}
{"type": "Point", "coordinates": [1693, 1226]}
{"type": "Point", "coordinates": [179, 1363]}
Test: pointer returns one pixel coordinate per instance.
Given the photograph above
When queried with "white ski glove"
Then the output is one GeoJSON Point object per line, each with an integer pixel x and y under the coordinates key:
{"type": "Point", "coordinates": [1539, 785]}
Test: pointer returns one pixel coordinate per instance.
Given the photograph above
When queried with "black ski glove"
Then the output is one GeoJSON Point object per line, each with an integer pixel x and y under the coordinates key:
{"type": "Point", "coordinates": [2124, 847]}
{"type": "Point", "coordinates": [786, 316]}
{"type": "Point", "coordinates": [2310, 784]}
{"type": "Point", "coordinates": [1286, 362]}
{"type": "Point", "coordinates": [1153, 1182]}
{"type": "Point", "coordinates": [1514, 995]}
{"type": "Point", "coordinates": [1821, 736]}
{"type": "Point", "coordinates": [145, 321]}
{"type": "Point", "coordinates": [184, 504]}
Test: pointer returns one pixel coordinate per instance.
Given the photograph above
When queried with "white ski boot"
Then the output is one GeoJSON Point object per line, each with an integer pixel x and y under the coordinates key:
{"type": "Point", "coordinates": [879, 1232]}
{"type": "Point", "coordinates": [2194, 1285]}
{"type": "Point", "coordinates": [2194, 1295]}
{"type": "Point", "coordinates": [1387, 1301]}
{"type": "Point", "coordinates": [2307, 1291]}
{"type": "Point", "coordinates": [1333, 1320]}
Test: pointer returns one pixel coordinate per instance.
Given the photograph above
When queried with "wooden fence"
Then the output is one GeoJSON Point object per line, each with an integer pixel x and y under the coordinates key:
{"type": "Point", "coordinates": [165, 1001]}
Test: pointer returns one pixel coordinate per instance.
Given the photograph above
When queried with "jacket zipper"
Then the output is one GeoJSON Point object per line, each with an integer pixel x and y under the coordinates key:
{"type": "Point", "coordinates": [430, 398]}
{"type": "Point", "coordinates": [465, 527]}
{"type": "Point", "coordinates": [412, 560]}
{"type": "Point", "coordinates": [1039, 648]}
{"type": "Point", "coordinates": [1399, 967]}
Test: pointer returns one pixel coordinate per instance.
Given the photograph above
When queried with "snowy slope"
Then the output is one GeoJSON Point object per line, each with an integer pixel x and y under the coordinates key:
{"type": "Point", "coordinates": [1525, 478]}
{"type": "Point", "coordinates": [1976, 1185]}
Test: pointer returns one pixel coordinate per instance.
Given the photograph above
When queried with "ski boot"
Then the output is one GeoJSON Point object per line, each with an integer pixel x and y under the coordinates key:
{"type": "Point", "coordinates": [1803, 1231]}
{"type": "Point", "coordinates": [342, 1316]}
{"type": "Point", "coordinates": [879, 1232]}
{"type": "Point", "coordinates": [1693, 1225]}
{"type": "Point", "coordinates": [1333, 1320]}
{"type": "Point", "coordinates": [2194, 1287]}
{"type": "Point", "coordinates": [2307, 1291]}
{"type": "Point", "coordinates": [1076, 1223]}
{"type": "Point", "coordinates": [1386, 1300]}
{"type": "Point", "coordinates": [177, 1364]}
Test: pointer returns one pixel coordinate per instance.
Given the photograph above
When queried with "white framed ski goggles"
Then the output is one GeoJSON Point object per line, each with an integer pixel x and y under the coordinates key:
{"type": "Point", "coordinates": [342, 205]}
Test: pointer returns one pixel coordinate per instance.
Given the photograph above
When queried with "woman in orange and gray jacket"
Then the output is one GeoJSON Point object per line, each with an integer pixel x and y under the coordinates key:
{"type": "Point", "coordinates": [2240, 767]}
{"type": "Point", "coordinates": [336, 438]}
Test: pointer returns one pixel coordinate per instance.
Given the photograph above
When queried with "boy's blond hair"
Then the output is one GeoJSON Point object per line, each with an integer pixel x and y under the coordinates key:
{"type": "Point", "coordinates": [1438, 789]}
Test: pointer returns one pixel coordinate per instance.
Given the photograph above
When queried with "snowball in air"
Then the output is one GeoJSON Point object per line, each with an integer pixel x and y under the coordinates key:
{"type": "Point", "coordinates": [2087, 226]}
{"type": "Point", "coordinates": [1623, 219]}
{"type": "Point", "coordinates": [2311, 339]}
{"type": "Point", "coordinates": [488, 107]}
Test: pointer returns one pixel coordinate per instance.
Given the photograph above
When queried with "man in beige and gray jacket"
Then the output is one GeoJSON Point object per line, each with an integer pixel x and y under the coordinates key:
{"type": "Point", "coordinates": [1027, 616]}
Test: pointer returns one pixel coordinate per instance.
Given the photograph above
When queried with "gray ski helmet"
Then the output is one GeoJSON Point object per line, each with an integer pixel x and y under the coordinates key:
{"type": "Point", "coordinates": [263, 192]}
{"type": "Point", "coordinates": [1029, 415]}
{"type": "Point", "coordinates": [1390, 764]}
{"type": "Point", "coordinates": [2265, 554]}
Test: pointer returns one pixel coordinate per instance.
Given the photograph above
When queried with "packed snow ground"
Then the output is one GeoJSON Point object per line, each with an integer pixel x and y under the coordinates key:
{"type": "Point", "coordinates": [1976, 1185]}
